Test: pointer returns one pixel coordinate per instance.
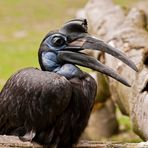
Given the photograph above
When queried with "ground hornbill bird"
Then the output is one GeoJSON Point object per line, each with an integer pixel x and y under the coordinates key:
{"type": "Point", "coordinates": [52, 106]}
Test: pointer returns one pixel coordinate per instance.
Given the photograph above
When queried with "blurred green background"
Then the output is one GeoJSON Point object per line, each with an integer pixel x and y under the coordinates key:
{"type": "Point", "coordinates": [23, 24]}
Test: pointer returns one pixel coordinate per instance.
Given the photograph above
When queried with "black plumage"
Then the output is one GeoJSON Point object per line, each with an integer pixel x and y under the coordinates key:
{"type": "Point", "coordinates": [52, 106]}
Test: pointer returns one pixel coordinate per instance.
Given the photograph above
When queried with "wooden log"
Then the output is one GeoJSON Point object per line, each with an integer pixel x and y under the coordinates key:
{"type": "Point", "coordinates": [109, 144]}
{"type": "Point", "coordinates": [103, 121]}
{"type": "Point", "coordinates": [14, 142]}
{"type": "Point", "coordinates": [125, 30]}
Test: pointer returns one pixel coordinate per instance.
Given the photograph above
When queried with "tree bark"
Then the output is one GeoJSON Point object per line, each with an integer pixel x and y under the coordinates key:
{"type": "Point", "coordinates": [14, 142]}
{"type": "Point", "coordinates": [127, 31]}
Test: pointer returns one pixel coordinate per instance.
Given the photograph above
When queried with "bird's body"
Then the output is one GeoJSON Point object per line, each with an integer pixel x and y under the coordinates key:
{"type": "Point", "coordinates": [59, 109]}
{"type": "Point", "coordinates": [52, 106]}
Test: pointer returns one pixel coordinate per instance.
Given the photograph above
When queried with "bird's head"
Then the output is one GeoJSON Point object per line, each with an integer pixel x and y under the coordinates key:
{"type": "Point", "coordinates": [64, 46]}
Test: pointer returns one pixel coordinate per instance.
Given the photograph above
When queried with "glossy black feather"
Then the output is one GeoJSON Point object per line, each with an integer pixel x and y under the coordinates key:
{"type": "Point", "coordinates": [55, 108]}
{"type": "Point", "coordinates": [70, 125]}
{"type": "Point", "coordinates": [32, 95]}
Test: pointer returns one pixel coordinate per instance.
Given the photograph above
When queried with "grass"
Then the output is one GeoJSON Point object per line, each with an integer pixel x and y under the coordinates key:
{"type": "Point", "coordinates": [23, 25]}
{"type": "Point", "coordinates": [126, 3]}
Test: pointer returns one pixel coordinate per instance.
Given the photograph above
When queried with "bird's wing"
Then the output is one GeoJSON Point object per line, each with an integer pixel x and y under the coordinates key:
{"type": "Point", "coordinates": [32, 97]}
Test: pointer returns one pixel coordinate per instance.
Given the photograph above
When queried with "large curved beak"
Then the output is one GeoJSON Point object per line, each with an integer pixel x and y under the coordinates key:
{"type": "Point", "coordinates": [71, 55]}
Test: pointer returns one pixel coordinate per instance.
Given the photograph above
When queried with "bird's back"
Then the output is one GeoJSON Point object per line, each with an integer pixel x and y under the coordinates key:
{"type": "Point", "coordinates": [74, 119]}
{"type": "Point", "coordinates": [54, 108]}
{"type": "Point", "coordinates": [28, 95]}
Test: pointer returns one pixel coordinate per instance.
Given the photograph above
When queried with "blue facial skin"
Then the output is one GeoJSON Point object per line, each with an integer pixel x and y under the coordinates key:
{"type": "Point", "coordinates": [52, 64]}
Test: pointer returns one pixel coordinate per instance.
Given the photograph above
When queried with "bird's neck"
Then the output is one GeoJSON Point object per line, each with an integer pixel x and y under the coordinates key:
{"type": "Point", "coordinates": [50, 63]}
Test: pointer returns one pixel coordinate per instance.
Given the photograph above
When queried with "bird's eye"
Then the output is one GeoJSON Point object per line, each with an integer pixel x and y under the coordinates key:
{"type": "Point", "coordinates": [58, 41]}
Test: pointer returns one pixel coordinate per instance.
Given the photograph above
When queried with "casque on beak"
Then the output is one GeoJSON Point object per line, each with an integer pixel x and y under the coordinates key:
{"type": "Point", "coordinates": [85, 41]}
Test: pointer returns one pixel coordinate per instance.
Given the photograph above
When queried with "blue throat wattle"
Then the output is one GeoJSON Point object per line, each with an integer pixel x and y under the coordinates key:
{"type": "Point", "coordinates": [51, 63]}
